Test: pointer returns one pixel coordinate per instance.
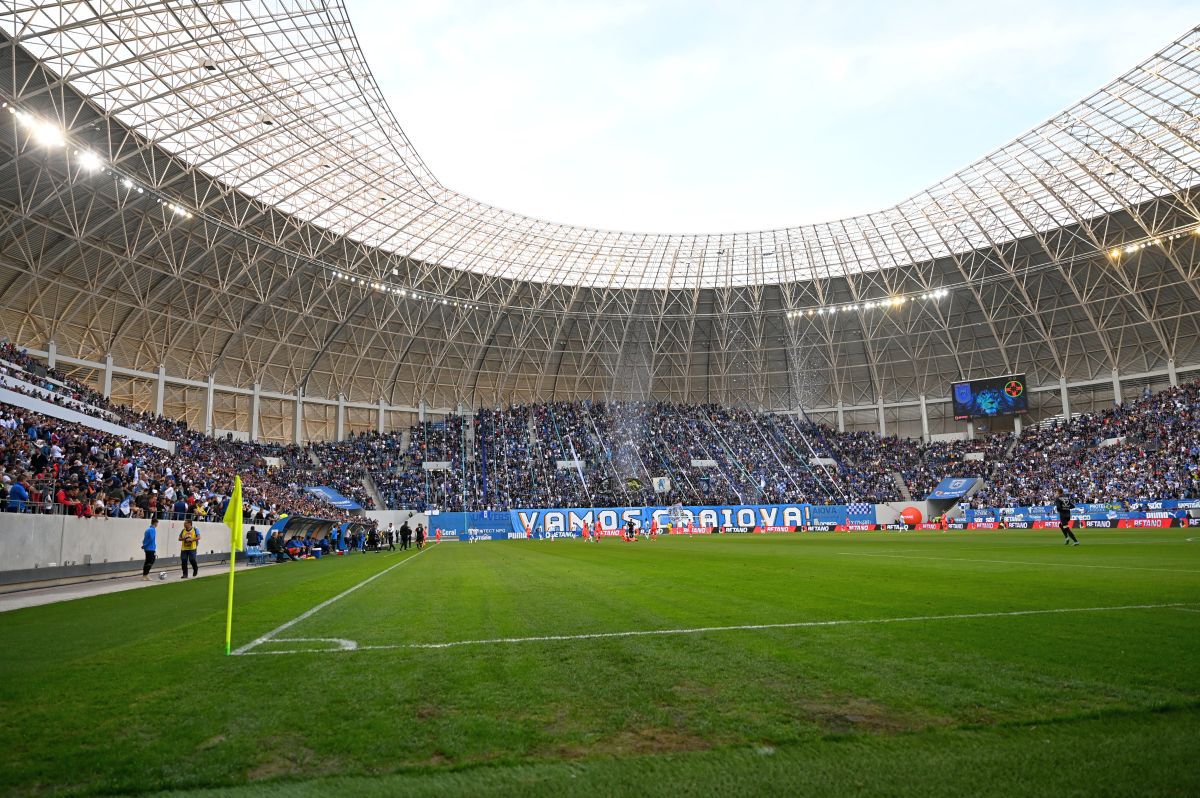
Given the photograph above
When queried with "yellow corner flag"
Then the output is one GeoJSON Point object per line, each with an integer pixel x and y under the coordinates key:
{"type": "Point", "coordinates": [233, 520]}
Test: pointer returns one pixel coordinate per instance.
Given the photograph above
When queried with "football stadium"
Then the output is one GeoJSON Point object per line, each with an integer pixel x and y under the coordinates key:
{"type": "Point", "coordinates": [321, 477]}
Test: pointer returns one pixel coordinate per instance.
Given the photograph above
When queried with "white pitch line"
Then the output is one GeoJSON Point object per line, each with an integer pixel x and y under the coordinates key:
{"type": "Point", "coordinates": [708, 629]}
{"type": "Point", "coordinates": [258, 641]}
{"type": "Point", "coordinates": [1019, 562]}
{"type": "Point", "coordinates": [1186, 609]}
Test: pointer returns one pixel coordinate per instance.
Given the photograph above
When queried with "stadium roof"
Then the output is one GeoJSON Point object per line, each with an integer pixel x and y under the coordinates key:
{"type": "Point", "coordinates": [217, 189]}
{"type": "Point", "coordinates": [275, 100]}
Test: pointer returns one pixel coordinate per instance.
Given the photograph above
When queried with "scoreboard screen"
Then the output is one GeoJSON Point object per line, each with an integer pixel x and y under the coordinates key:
{"type": "Point", "coordinates": [995, 396]}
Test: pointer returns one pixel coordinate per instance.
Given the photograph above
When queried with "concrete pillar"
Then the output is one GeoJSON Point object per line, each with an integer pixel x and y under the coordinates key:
{"type": "Point", "coordinates": [255, 400]}
{"type": "Point", "coordinates": [1171, 375]}
{"type": "Point", "coordinates": [421, 412]}
{"type": "Point", "coordinates": [1017, 424]}
{"type": "Point", "coordinates": [379, 417]}
{"type": "Point", "coordinates": [882, 419]}
{"type": "Point", "coordinates": [298, 430]}
{"type": "Point", "coordinates": [1116, 387]}
{"type": "Point", "coordinates": [341, 417]}
{"type": "Point", "coordinates": [51, 354]}
{"type": "Point", "coordinates": [841, 417]}
{"type": "Point", "coordinates": [208, 406]}
{"type": "Point", "coordinates": [970, 430]}
{"type": "Point", "coordinates": [107, 376]}
{"type": "Point", "coordinates": [924, 419]}
{"type": "Point", "coordinates": [160, 389]}
{"type": "Point", "coordinates": [1066, 402]}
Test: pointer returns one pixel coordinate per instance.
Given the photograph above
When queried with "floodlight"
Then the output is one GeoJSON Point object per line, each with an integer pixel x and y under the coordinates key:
{"type": "Point", "coordinates": [90, 161]}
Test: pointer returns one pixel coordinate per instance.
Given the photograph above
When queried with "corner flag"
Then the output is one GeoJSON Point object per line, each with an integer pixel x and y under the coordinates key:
{"type": "Point", "coordinates": [233, 520]}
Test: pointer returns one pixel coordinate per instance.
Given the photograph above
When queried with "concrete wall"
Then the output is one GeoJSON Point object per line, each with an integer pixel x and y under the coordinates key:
{"type": "Point", "coordinates": [398, 517]}
{"type": "Point", "coordinates": [56, 542]}
{"type": "Point", "coordinates": [889, 513]}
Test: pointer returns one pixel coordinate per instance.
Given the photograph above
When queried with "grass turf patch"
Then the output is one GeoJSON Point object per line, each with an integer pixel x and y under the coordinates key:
{"type": "Point", "coordinates": [130, 692]}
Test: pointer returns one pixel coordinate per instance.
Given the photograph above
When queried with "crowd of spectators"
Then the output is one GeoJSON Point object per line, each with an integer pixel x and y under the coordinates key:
{"type": "Point", "coordinates": [1148, 449]}
{"type": "Point", "coordinates": [580, 453]}
{"type": "Point", "coordinates": [604, 454]}
{"type": "Point", "coordinates": [49, 465]}
{"type": "Point", "coordinates": [563, 454]}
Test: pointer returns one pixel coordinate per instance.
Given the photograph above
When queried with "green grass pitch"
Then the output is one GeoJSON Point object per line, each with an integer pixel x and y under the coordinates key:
{"type": "Point", "coordinates": [817, 664]}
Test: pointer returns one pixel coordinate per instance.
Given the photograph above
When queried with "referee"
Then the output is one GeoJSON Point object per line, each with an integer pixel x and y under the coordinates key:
{"type": "Point", "coordinates": [1063, 505]}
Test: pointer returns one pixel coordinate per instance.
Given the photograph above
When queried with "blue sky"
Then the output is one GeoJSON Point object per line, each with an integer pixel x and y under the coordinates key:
{"type": "Point", "coordinates": [716, 116]}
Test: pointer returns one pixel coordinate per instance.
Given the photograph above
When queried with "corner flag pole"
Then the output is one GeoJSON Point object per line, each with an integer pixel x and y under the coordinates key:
{"type": "Point", "coordinates": [233, 520]}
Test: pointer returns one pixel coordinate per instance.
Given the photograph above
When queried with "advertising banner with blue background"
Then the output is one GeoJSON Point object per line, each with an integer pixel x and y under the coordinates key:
{"type": "Point", "coordinates": [1165, 508]}
{"type": "Point", "coordinates": [333, 497]}
{"type": "Point", "coordinates": [569, 522]}
{"type": "Point", "coordinates": [953, 487]}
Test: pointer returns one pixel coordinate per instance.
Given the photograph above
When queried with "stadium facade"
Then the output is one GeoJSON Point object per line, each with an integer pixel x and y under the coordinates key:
{"type": "Point", "coordinates": [208, 209]}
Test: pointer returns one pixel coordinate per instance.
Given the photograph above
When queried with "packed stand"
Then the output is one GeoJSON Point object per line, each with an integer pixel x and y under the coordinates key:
{"type": "Point", "coordinates": [1156, 455]}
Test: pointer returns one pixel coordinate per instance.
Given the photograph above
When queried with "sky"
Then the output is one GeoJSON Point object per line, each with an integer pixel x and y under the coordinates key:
{"type": "Point", "coordinates": [716, 116]}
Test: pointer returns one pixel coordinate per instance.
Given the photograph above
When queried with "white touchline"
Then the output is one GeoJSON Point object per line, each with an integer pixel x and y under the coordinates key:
{"type": "Point", "coordinates": [1019, 562]}
{"type": "Point", "coordinates": [258, 641]}
{"type": "Point", "coordinates": [349, 645]}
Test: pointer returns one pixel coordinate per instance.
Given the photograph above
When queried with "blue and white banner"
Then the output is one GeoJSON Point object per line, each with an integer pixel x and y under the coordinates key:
{"type": "Point", "coordinates": [953, 487]}
{"type": "Point", "coordinates": [569, 522]}
{"type": "Point", "coordinates": [333, 497]}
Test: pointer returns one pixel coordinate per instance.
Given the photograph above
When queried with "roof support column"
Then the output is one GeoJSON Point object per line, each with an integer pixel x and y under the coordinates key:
{"type": "Point", "coordinates": [882, 419]}
{"type": "Point", "coordinates": [107, 376]}
{"type": "Point", "coordinates": [1171, 374]}
{"type": "Point", "coordinates": [379, 417]}
{"type": "Point", "coordinates": [298, 418]}
{"type": "Point", "coordinates": [341, 417]}
{"type": "Point", "coordinates": [841, 418]}
{"type": "Point", "coordinates": [51, 354]}
{"type": "Point", "coordinates": [924, 420]}
{"type": "Point", "coordinates": [160, 389]}
{"type": "Point", "coordinates": [971, 430]}
{"type": "Point", "coordinates": [1066, 402]}
{"type": "Point", "coordinates": [1116, 387]}
{"type": "Point", "coordinates": [421, 412]}
{"type": "Point", "coordinates": [1017, 425]}
{"type": "Point", "coordinates": [255, 402]}
{"type": "Point", "coordinates": [208, 406]}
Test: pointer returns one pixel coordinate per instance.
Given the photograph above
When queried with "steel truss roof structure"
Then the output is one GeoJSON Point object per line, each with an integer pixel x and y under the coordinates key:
{"type": "Point", "coordinates": [258, 215]}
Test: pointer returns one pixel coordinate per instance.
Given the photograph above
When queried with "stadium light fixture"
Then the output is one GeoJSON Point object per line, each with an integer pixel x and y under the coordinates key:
{"type": "Point", "coordinates": [89, 160]}
{"type": "Point", "coordinates": [48, 134]}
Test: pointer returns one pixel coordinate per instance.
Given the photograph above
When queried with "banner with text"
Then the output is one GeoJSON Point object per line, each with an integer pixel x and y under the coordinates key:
{"type": "Point", "coordinates": [569, 522]}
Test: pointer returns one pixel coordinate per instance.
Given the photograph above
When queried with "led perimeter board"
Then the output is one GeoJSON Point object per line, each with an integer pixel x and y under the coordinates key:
{"type": "Point", "coordinates": [995, 396]}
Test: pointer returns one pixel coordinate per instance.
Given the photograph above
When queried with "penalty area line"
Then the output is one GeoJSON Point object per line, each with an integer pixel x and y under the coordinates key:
{"type": "Point", "coordinates": [348, 645]}
{"type": "Point", "coordinates": [258, 641]}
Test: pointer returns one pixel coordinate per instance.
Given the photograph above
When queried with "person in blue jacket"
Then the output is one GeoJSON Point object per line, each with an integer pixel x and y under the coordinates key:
{"type": "Point", "coordinates": [150, 547]}
{"type": "Point", "coordinates": [18, 496]}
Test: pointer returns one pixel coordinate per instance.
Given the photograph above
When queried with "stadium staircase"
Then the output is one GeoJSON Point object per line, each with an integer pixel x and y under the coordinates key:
{"type": "Point", "coordinates": [902, 486]}
{"type": "Point", "coordinates": [1008, 450]}
{"type": "Point", "coordinates": [312, 456]}
{"type": "Point", "coordinates": [373, 490]}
